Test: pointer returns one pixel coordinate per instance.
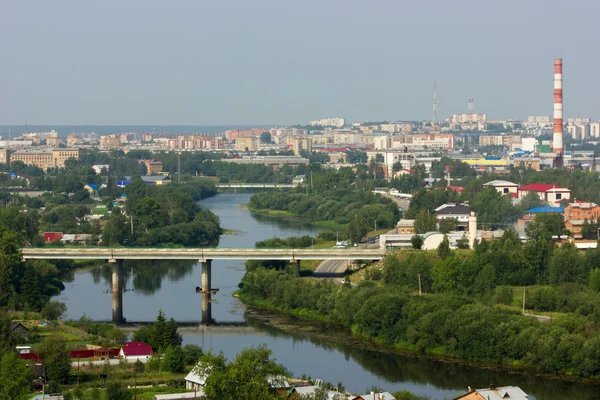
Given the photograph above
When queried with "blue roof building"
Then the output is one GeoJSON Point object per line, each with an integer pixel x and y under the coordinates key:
{"type": "Point", "coordinates": [541, 210]}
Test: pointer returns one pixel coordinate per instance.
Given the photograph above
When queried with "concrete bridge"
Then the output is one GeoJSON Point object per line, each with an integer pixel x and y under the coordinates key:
{"type": "Point", "coordinates": [255, 185]}
{"type": "Point", "coordinates": [116, 255]}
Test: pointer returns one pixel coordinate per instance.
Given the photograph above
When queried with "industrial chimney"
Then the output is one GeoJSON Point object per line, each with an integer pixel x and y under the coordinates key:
{"type": "Point", "coordinates": [557, 137]}
{"type": "Point", "coordinates": [472, 229]}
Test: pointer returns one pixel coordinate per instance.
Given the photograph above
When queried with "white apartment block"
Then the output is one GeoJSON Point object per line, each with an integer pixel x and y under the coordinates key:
{"type": "Point", "coordinates": [346, 138]}
{"type": "Point", "coordinates": [595, 129]}
{"type": "Point", "coordinates": [539, 120]}
{"type": "Point", "coordinates": [335, 122]}
{"type": "Point", "coordinates": [579, 131]}
{"type": "Point", "coordinates": [579, 120]}
{"type": "Point", "coordinates": [382, 142]}
{"type": "Point", "coordinates": [468, 118]}
{"type": "Point", "coordinates": [396, 127]}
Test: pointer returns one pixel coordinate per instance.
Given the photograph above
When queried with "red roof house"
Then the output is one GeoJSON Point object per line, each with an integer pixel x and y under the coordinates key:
{"type": "Point", "coordinates": [135, 350]}
{"type": "Point", "coordinates": [549, 193]}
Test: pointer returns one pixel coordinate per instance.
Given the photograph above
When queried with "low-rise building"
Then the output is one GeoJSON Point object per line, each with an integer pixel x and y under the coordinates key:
{"type": "Point", "coordinates": [271, 161]}
{"type": "Point", "coordinates": [503, 187]}
{"type": "Point", "coordinates": [405, 226]}
{"type": "Point", "coordinates": [45, 158]}
{"type": "Point", "coordinates": [576, 214]}
{"type": "Point", "coordinates": [152, 166]}
{"type": "Point", "coordinates": [135, 351]}
{"type": "Point", "coordinates": [460, 212]}
{"type": "Point", "coordinates": [495, 393]}
{"type": "Point", "coordinates": [531, 213]}
{"type": "Point", "coordinates": [551, 194]}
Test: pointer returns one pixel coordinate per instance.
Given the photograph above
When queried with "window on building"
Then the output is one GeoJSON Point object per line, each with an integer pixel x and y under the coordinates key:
{"type": "Point", "coordinates": [558, 196]}
{"type": "Point", "coordinates": [505, 190]}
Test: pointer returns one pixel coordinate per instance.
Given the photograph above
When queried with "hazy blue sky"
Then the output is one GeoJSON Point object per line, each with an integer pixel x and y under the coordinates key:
{"type": "Point", "coordinates": [277, 62]}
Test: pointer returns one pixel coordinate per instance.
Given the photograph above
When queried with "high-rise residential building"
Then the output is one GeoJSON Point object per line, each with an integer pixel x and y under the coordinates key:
{"type": "Point", "coordinates": [300, 144]}
{"type": "Point", "coordinates": [246, 143]}
{"type": "Point", "coordinates": [595, 129]}
{"type": "Point", "coordinates": [109, 142]}
{"type": "Point", "coordinates": [468, 118]}
{"type": "Point", "coordinates": [334, 122]}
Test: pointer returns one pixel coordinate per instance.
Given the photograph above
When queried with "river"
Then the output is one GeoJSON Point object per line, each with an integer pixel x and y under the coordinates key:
{"type": "Point", "coordinates": [171, 287]}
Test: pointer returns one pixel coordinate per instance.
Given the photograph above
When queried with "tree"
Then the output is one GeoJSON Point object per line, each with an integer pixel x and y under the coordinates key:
{"type": "Point", "coordinates": [448, 225]}
{"type": "Point", "coordinates": [159, 335]}
{"type": "Point", "coordinates": [55, 356]}
{"type": "Point", "coordinates": [114, 391]}
{"type": "Point", "coordinates": [115, 229]}
{"type": "Point", "coordinates": [191, 354]}
{"type": "Point", "coordinates": [31, 296]}
{"type": "Point", "coordinates": [463, 242]}
{"type": "Point", "coordinates": [249, 376]}
{"type": "Point", "coordinates": [15, 377]}
{"type": "Point", "coordinates": [138, 367]}
{"type": "Point", "coordinates": [566, 265]}
{"type": "Point", "coordinates": [173, 359]}
{"type": "Point", "coordinates": [589, 230]}
{"type": "Point", "coordinates": [54, 310]}
{"type": "Point", "coordinates": [416, 241]}
{"type": "Point", "coordinates": [594, 280]}
{"type": "Point", "coordinates": [443, 249]}
{"type": "Point", "coordinates": [265, 137]}
{"type": "Point", "coordinates": [425, 222]}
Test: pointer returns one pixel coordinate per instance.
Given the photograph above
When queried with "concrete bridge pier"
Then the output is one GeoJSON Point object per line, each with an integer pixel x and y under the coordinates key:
{"type": "Point", "coordinates": [296, 264]}
{"type": "Point", "coordinates": [117, 291]}
{"type": "Point", "coordinates": [206, 292]}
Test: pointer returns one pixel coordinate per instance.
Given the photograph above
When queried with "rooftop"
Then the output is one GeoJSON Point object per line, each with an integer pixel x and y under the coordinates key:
{"type": "Point", "coordinates": [499, 182]}
{"type": "Point", "coordinates": [136, 349]}
{"type": "Point", "coordinates": [539, 187]}
{"type": "Point", "coordinates": [538, 210]}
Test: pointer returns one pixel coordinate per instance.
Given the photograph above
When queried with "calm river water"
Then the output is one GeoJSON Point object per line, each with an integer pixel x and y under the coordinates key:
{"type": "Point", "coordinates": [171, 287]}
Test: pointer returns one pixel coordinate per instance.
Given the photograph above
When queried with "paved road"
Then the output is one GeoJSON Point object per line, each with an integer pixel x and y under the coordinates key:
{"type": "Point", "coordinates": [402, 203]}
{"type": "Point", "coordinates": [331, 268]}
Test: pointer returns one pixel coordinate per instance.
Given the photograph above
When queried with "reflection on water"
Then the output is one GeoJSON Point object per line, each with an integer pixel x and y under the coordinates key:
{"type": "Point", "coordinates": [399, 371]}
{"type": "Point", "coordinates": [146, 276]}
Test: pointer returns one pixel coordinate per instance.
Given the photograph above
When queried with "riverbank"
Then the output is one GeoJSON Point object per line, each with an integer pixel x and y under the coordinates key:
{"type": "Point", "coordinates": [286, 215]}
{"type": "Point", "coordinates": [315, 326]}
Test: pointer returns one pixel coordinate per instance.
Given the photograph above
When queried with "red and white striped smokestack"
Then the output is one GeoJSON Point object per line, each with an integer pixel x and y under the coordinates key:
{"type": "Point", "coordinates": [557, 137]}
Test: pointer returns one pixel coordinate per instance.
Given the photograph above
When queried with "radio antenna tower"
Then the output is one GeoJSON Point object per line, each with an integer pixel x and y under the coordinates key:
{"type": "Point", "coordinates": [434, 102]}
{"type": "Point", "coordinates": [470, 110]}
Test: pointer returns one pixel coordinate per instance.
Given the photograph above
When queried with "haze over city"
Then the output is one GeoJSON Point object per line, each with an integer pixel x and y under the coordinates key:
{"type": "Point", "coordinates": [273, 62]}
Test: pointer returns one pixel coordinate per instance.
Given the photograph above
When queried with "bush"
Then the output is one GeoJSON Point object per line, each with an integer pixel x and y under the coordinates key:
{"type": "Point", "coordinates": [503, 295]}
{"type": "Point", "coordinates": [54, 310]}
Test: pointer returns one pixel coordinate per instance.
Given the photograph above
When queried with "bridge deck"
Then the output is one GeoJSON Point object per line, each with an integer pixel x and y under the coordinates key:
{"type": "Point", "coordinates": [133, 253]}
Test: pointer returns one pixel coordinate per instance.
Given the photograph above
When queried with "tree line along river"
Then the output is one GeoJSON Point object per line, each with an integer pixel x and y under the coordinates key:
{"type": "Point", "coordinates": [303, 349]}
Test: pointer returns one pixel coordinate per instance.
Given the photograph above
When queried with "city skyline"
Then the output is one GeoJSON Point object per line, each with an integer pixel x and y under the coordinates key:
{"type": "Point", "coordinates": [271, 63]}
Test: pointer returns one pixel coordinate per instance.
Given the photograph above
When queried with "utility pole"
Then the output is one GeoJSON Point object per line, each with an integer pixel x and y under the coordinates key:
{"type": "Point", "coordinates": [179, 165]}
{"type": "Point", "coordinates": [131, 219]}
{"type": "Point", "coordinates": [524, 300]}
{"type": "Point", "coordinates": [419, 275]}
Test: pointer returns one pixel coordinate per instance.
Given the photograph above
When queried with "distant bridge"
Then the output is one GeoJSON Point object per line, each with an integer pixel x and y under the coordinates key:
{"type": "Point", "coordinates": [137, 253]}
{"type": "Point", "coordinates": [255, 185]}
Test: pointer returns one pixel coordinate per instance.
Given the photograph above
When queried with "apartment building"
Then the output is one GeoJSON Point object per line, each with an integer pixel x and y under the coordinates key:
{"type": "Point", "coordinates": [577, 213]}
{"type": "Point", "coordinates": [233, 134]}
{"type": "Point", "coordinates": [110, 142]}
{"type": "Point", "coordinates": [382, 142]}
{"type": "Point", "coordinates": [490, 140]}
{"type": "Point", "coordinates": [4, 156]}
{"type": "Point", "coordinates": [346, 138]}
{"type": "Point", "coordinates": [595, 129]}
{"type": "Point", "coordinates": [45, 158]}
{"type": "Point", "coordinates": [152, 166]}
{"type": "Point", "coordinates": [468, 118]}
{"type": "Point", "coordinates": [278, 135]}
{"type": "Point", "coordinates": [427, 141]}
{"type": "Point", "coordinates": [397, 127]}
{"type": "Point", "coordinates": [300, 144]}
{"type": "Point", "coordinates": [334, 122]}
{"type": "Point", "coordinates": [246, 143]}
{"type": "Point", "coordinates": [74, 140]}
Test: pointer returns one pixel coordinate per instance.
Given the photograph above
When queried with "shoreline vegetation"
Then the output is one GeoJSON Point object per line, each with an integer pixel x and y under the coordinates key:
{"type": "Point", "coordinates": [310, 325]}
{"type": "Point", "coordinates": [443, 325]}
